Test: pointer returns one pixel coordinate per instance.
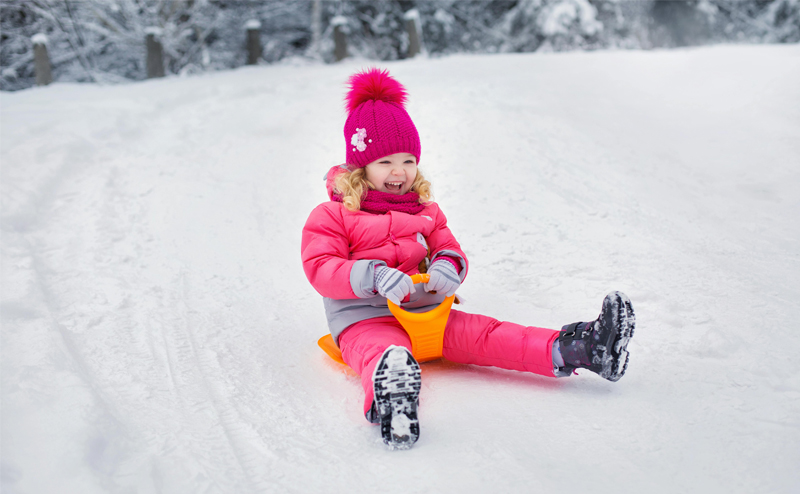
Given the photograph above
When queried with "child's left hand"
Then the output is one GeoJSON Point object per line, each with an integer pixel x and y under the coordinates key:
{"type": "Point", "coordinates": [444, 278]}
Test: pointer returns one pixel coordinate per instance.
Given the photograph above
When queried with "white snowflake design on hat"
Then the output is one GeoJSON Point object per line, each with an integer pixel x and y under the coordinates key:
{"type": "Point", "coordinates": [358, 140]}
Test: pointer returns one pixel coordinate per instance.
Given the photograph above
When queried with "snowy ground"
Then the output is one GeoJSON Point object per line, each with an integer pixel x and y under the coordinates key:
{"type": "Point", "coordinates": [158, 333]}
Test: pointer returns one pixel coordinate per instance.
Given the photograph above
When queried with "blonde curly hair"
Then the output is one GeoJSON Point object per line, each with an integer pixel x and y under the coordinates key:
{"type": "Point", "coordinates": [353, 185]}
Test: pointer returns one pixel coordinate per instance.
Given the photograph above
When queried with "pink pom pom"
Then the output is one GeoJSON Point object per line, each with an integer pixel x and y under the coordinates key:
{"type": "Point", "coordinates": [374, 84]}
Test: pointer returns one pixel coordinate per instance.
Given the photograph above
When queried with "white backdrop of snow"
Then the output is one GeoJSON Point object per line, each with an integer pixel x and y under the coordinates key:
{"type": "Point", "coordinates": [158, 333]}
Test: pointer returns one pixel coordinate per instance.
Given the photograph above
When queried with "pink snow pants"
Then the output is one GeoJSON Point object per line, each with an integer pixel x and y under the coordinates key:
{"type": "Point", "coordinates": [468, 339]}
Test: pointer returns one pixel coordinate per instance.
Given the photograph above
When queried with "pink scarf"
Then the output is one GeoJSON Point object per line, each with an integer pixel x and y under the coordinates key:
{"type": "Point", "coordinates": [377, 202]}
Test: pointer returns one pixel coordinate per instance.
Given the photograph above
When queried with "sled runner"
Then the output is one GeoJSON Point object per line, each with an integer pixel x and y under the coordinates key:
{"type": "Point", "coordinates": [426, 329]}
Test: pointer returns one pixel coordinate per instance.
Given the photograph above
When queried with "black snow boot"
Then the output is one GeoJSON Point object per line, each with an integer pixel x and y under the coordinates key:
{"type": "Point", "coordinates": [396, 382]}
{"type": "Point", "coordinates": [600, 345]}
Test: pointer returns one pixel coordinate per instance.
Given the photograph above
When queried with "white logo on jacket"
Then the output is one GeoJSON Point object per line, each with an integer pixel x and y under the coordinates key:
{"type": "Point", "coordinates": [421, 240]}
{"type": "Point", "coordinates": [358, 139]}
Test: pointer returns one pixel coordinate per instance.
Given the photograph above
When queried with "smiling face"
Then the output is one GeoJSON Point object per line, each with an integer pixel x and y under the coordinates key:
{"type": "Point", "coordinates": [394, 174]}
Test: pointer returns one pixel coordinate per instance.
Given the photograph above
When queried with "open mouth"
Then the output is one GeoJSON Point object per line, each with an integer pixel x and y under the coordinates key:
{"type": "Point", "coordinates": [393, 186]}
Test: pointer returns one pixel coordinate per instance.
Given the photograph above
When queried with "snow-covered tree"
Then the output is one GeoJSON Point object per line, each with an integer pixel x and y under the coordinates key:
{"type": "Point", "coordinates": [104, 40]}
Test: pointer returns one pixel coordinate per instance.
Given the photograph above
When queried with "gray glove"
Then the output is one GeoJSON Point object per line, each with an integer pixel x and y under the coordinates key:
{"type": "Point", "coordinates": [393, 283]}
{"type": "Point", "coordinates": [444, 278]}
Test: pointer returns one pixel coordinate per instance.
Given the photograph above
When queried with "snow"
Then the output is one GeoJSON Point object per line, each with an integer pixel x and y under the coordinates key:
{"type": "Point", "coordinates": [39, 39]}
{"type": "Point", "coordinates": [158, 333]}
{"type": "Point", "coordinates": [253, 24]}
{"type": "Point", "coordinates": [444, 18]}
{"type": "Point", "coordinates": [558, 18]}
{"type": "Point", "coordinates": [412, 14]}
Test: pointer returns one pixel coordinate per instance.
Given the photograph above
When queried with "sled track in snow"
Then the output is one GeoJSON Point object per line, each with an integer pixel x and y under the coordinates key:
{"type": "Point", "coordinates": [200, 394]}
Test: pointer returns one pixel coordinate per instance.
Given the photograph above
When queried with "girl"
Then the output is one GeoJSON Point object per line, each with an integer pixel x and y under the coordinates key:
{"type": "Point", "coordinates": [381, 226]}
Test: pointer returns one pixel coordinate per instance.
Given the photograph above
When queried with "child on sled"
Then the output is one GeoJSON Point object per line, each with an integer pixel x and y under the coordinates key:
{"type": "Point", "coordinates": [381, 226]}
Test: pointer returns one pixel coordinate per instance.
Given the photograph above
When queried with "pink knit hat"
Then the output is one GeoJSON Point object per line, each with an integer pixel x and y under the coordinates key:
{"type": "Point", "coordinates": [377, 123]}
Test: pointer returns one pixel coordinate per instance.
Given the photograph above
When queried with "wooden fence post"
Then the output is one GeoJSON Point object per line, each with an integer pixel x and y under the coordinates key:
{"type": "Point", "coordinates": [253, 27]}
{"type": "Point", "coordinates": [155, 53]}
{"type": "Point", "coordinates": [316, 27]}
{"type": "Point", "coordinates": [339, 37]}
{"type": "Point", "coordinates": [414, 30]}
{"type": "Point", "coordinates": [41, 60]}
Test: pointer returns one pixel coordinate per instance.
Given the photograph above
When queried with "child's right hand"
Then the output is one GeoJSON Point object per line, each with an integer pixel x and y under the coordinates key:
{"type": "Point", "coordinates": [393, 283]}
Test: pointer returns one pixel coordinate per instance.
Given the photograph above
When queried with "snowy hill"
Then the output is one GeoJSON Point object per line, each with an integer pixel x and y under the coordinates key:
{"type": "Point", "coordinates": [158, 333]}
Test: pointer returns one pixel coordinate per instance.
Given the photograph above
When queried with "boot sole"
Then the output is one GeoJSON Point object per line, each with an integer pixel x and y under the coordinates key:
{"type": "Point", "coordinates": [397, 382]}
{"type": "Point", "coordinates": [617, 314]}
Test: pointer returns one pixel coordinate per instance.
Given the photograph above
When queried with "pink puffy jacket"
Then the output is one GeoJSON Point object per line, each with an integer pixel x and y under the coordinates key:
{"type": "Point", "coordinates": [340, 250]}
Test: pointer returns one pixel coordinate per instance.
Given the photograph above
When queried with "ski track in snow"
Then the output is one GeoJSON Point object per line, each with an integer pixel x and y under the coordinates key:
{"type": "Point", "coordinates": [158, 333]}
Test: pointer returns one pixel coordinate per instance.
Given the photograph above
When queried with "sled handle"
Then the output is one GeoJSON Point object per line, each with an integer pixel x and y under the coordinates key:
{"type": "Point", "coordinates": [420, 278]}
{"type": "Point", "coordinates": [421, 317]}
{"type": "Point", "coordinates": [426, 329]}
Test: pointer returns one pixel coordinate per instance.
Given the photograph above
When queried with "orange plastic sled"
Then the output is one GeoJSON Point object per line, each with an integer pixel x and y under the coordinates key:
{"type": "Point", "coordinates": [426, 329]}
